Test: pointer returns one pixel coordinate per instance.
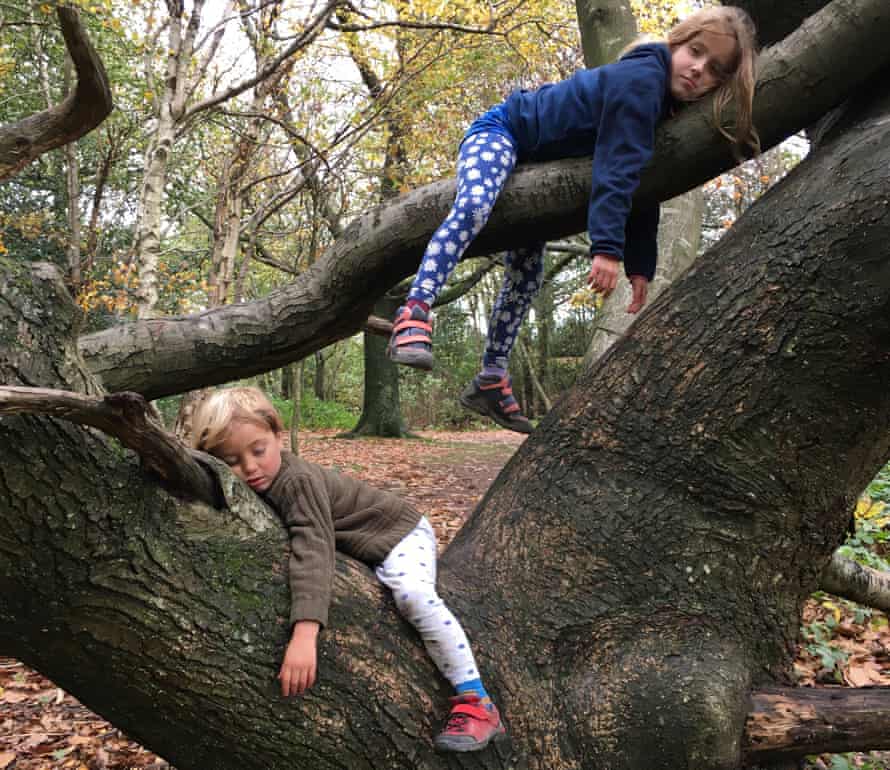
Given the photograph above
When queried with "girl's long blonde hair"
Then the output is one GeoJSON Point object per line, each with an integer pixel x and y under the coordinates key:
{"type": "Point", "coordinates": [739, 86]}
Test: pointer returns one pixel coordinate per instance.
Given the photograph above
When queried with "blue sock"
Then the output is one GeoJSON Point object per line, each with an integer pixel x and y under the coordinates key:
{"type": "Point", "coordinates": [472, 685]}
{"type": "Point", "coordinates": [491, 371]}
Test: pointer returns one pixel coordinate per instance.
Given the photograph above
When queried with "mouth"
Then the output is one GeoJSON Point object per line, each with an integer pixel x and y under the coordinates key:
{"type": "Point", "coordinates": [256, 483]}
{"type": "Point", "coordinates": [690, 85]}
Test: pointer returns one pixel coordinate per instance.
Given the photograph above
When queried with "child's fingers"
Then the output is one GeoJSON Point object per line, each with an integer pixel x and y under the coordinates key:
{"type": "Point", "coordinates": [640, 291]}
{"type": "Point", "coordinates": [285, 677]}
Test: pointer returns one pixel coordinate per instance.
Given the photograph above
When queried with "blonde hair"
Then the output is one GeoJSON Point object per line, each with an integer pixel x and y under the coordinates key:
{"type": "Point", "coordinates": [739, 85]}
{"type": "Point", "coordinates": [215, 415]}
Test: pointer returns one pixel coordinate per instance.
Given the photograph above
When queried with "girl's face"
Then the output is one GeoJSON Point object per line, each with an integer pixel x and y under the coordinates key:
{"type": "Point", "coordinates": [253, 452]}
{"type": "Point", "coordinates": [701, 64]}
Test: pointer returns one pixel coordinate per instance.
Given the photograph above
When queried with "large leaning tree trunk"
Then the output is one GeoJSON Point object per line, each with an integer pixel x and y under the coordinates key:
{"type": "Point", "coordinates": [633, 575]}
{"type": "Point", "coordinates": [632, 581]}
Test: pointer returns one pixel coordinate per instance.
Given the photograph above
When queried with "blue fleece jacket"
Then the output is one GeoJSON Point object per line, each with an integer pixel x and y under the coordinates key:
{"type": "Point", "coordinates": [610, 112]}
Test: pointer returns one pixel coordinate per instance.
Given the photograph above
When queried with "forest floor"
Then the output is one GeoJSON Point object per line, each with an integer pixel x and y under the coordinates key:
{"type": "Point", "coordinates": [444, 475]}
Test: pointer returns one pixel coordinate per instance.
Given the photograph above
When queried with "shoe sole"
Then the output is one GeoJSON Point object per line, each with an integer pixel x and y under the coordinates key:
{"type": "Point", "coordinates": [444, 745]}
{"type": "Point", "coordinates": [417, 359]}
{"type": "Point", "coordinates": [482, 407]}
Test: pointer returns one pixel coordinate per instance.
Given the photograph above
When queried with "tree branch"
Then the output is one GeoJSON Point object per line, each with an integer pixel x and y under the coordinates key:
{"type": "Point", "coordinates": [312, 31]}
{"type": "Point", "coordinates": [848, 579]}
{"type": "Point", "coordinates": [788, 722]}
{"type": "Point", "coordinates": [84, 108]}
{"type": "Point", "coordinates": [129, 418]}
{"type": "Point", "coordinates": [542, 201]}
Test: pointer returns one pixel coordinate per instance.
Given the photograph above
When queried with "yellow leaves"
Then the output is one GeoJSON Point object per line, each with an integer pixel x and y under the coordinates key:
{"type": "Point", "coordinates": [586, 297]}
{"type": "Point", "coordinates": [46, 9]}
{"type": "Point", "coordinates": [874, 511]}
{"type": "Point", "coordinates": [833, 609]}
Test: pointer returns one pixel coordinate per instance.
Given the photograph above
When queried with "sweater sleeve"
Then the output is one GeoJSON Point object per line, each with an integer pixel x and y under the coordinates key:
{"type": "Point", "coordinates": [641, 246]}
{"type": "Point", "coordinates": [632, 103]}
{"type": "Point", "coordinates": [304, 506]}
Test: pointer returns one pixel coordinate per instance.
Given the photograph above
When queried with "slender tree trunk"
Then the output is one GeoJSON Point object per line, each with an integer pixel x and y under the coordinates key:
{"type": "Point", "coordinates": [319, 380]}
{"type": "Point", "coordinates": [72, 185]}
{"type": "Point", "coordinates": [381, 405]}
{"type": "Point", "coordinates": [296, 390]}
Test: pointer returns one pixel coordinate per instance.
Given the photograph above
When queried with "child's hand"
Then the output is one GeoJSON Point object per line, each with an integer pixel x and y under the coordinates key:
{"type": "Point", "coordinates": [298, 669]}
{"type": "Point", "coordinates": [640, 286]}
{"type": "Point", "coordinates": [603, 275]}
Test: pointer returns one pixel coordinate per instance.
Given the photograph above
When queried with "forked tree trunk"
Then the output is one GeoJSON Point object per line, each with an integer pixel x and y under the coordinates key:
{"type": "Point", "coordinates": [636, 570]}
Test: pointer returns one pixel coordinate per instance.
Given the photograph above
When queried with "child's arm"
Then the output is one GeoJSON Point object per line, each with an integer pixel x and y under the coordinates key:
{"type": "Point", "coordinates": [298, 668]}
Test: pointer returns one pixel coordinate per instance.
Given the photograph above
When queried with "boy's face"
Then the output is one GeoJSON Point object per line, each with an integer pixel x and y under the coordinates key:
{"type": "Point", "coordinates": [700, 64]}
{"type": "Point", "coordinates": [253, 452]}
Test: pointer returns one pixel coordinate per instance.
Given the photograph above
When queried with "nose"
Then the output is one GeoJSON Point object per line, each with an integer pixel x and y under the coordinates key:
{"type": "Point", "coordinates": [249, 465]}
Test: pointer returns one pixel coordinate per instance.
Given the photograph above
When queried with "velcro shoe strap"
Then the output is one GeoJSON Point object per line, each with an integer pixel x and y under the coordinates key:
{"type": "Point", "coordinates": [502, 384]}
{"type": "Point", "coordinates": [409, 323]}
{"type": "Point", "coordinates": [477, 712]}
{"type": "Point", "coordinates": [407, 339]}
{"type": "Point", "coordinates": [508, 407]}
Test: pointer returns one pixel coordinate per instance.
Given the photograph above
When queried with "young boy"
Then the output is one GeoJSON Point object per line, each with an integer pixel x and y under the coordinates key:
{"type": "Point", "coordinates": [323, 512]}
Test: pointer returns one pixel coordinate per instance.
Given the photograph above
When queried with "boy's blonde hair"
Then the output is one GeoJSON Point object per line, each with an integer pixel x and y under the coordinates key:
{"type": "Point", "coordinates": [739, 86]}
{"type": "Point", "coordinates": [215, 415]}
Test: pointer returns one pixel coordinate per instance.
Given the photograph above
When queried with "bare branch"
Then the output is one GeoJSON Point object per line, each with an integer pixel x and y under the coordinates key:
{"type": "Point", "coordinates": [132, 420]}
{"type": "Point", "coordinates": [84, 108]}
{"type": "Point", "coordinates": [312, 31]}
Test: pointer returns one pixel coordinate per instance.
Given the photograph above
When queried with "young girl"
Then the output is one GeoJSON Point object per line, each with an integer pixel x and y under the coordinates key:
{"type": "Point", "coordinates": [323, 510]}
{"type": "Point", "coordinates": [612, 112]}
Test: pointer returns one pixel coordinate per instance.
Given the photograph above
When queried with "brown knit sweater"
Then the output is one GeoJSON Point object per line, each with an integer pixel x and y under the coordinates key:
{"type": "Point", "coordinates": [323, 512]}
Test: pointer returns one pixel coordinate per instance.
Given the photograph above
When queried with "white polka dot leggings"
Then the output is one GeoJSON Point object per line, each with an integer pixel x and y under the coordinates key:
{"type": "Point", "coordinates": [409, 571]}
{"type": "Point", "coordinates": [485, 161]}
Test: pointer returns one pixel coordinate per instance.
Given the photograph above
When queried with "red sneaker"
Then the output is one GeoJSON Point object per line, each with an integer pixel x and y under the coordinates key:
{"type": "Point", "coordinates": [470, 726]}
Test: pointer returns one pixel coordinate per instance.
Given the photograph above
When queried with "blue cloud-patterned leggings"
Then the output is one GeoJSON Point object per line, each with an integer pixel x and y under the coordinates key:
{"type": "Point", "coordinates": [485, 161]}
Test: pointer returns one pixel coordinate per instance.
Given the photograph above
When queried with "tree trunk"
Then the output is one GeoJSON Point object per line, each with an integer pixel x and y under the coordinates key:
{"type": "Point", "coordinates": [606, 26]}
{"type": "Point", "coordinates": [318, 382]}
{"type": "Point", "coordinates": [644, 556]}
{"type": "Point", "coordinates": [381, 405]}
{"type": "Point", "coordinates": [633, 576]}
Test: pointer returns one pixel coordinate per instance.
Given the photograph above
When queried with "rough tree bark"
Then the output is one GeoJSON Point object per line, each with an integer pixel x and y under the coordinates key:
{"type": "Point", "coordinates": [644, 556]}
{"type": "Point", "coordinates": [631, 577]}
{"type": "Point", "coordinates": [810, 72]}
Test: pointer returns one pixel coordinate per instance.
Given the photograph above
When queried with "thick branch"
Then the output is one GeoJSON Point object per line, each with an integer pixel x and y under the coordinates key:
{"type": "Point", "coordinates": [130, 419]}
{"type": "Point", "coordinates": [788, 723]}
{"type": "Point", "coordinates": [84, 109]}
{"type": "Point", "coordinates": [800, 80]}
{"type": "Point", "coordinates": [848, 579]}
